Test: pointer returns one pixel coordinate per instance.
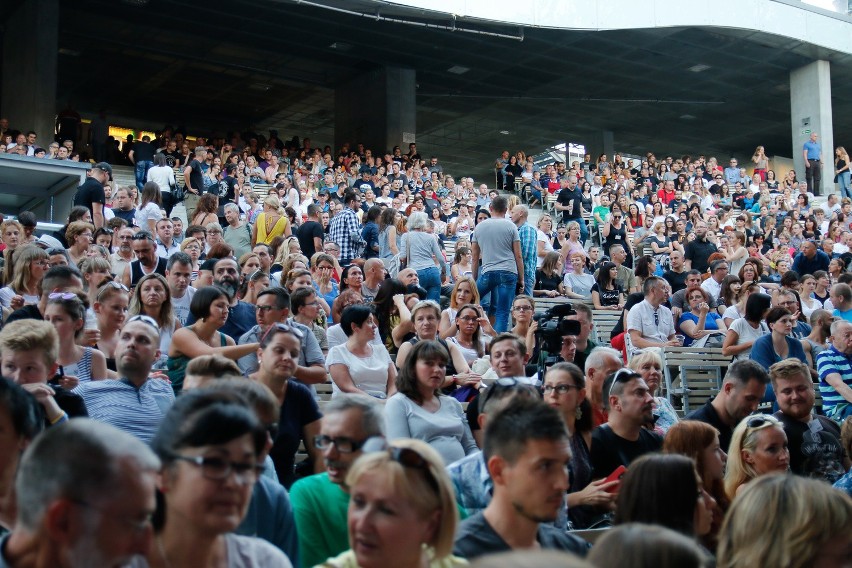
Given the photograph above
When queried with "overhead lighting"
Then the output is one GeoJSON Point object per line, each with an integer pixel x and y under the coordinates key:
{"type": "Point", "coordinates": [699, 68]}
{"type": "Point", "coordinates": [458, 70]}
{"type": "Point", "coordinates": [505, 132]}
{"type": "Point", "coordinates": [687, 117]}
{"type": "Point", "coordinates": [260, 86]}
{"type": "Point", "coordinates": [340, 46]}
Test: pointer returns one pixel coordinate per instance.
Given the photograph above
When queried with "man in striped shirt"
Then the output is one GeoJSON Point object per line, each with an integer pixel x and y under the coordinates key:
{"type": "Point", "coordinates": [135, 403]}
{"type": "Point", "coordinates": [835, 372]}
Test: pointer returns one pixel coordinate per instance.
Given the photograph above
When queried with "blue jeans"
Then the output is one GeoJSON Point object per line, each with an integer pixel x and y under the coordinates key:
{"type": "Point", "coordinates": [430, 279]}
{"type": "Point", "coordinates": [142, 173]}
{"type": "Point", "coordinates": [529, 283]}
{"type": "Point", "coordinates": [502, 284]}
{"type": "Point", "coordinates": [843, 180]}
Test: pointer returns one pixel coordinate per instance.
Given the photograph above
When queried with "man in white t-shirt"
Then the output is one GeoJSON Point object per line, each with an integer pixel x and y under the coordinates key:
{"type": "Point", "coordinates": [178, 274]}
{"type": "Point", "coordinates": [650, 323]}
{"type": "Point", "coordinates": [713, 285]}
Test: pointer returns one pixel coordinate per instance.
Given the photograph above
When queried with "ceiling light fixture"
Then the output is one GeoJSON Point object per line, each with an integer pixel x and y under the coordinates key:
{"type": "Point", "coordinates": [458, 69]}
{"type": "Point", "coordinates": [505, 132]}
{"type": "Point", "coordinates": [699, 68]}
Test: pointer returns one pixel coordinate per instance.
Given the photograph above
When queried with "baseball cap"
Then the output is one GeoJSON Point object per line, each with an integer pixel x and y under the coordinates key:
{"type": "Point", "coordinates": [103, 166]}
{"type": "Point", "coordinates": [48, 242]}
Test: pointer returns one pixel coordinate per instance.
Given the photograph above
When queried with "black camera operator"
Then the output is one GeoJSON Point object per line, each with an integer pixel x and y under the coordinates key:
{"type": "Point", "coordinates": [555, 334]}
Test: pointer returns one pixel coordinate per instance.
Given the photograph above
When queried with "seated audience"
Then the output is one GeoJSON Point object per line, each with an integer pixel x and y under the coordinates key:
{"type": "Point", "coordinates": [758, 447]}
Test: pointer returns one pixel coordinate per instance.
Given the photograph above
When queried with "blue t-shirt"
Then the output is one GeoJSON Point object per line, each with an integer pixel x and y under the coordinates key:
{"type": "Point", "coordinates": [814, 150]}
{"type": "Point", "coordinates": [711, 323]}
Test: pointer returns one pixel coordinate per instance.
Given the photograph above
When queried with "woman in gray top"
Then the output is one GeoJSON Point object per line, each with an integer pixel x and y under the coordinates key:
{"type": "Point", "coordinates": [422, 253]}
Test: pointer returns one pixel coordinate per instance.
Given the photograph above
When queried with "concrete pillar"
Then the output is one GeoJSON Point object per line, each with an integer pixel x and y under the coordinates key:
{"type": "Point", "coordinates": [377, 109]}
{"type": "Point", "coordinates": [601, 142]}
{"type": "Point", "coordinates": [810, 111]}
{"type": "Point", "coordinates": [30, 46]}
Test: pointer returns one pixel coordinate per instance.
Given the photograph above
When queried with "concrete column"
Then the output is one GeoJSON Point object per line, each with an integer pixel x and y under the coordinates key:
{"type": "Point", "coordinates": [601, 142]}
{"type": "Point", "coordinates": [810, 111]}
{"type": "Point", "coordinates": [377, 109]}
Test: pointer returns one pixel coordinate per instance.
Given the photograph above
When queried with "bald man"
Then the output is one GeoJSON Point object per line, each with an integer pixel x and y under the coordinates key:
{"type": "Point", "coordinates": [374, 275]}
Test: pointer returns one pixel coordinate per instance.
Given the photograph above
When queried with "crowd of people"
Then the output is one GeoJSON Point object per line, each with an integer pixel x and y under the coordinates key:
{"type": "Point", "coordinates": [159, 371]}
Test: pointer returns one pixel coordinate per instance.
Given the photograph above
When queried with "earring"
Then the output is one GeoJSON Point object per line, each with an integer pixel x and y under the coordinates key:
{"type": "Point", "coordinates": [578, 413]}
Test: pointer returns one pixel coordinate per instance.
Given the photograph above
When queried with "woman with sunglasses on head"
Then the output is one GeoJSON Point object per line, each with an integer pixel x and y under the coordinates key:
{"type": "Point", "coordinates": [210, 307]}
{"type": "Point", "coordinates": [758, 447]}
{"type": "Point", "coordinates": [402, 512]}
{"type": "Point", "coordinates": [67, 312]}
{"type": "Point", "coordinates": [210, 445]}
{"type": "Point", "coordinates": [299, 418]}
{"type": "Point", "coordinates": [419, 410]}
{"type": "Point", "coordinates": [110, 307]}
{"type": "Point", "coordinates": [565, 389]}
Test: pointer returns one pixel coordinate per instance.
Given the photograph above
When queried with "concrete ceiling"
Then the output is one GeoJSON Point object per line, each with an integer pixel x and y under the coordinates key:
{"type": "Point", "coordinates": [221, 66]}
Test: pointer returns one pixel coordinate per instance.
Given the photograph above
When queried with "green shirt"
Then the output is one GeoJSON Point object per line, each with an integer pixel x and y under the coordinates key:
{"type": "Point", "coordinates": [603, 213]}
{"type": "Point", "coordinates": [320, 508]}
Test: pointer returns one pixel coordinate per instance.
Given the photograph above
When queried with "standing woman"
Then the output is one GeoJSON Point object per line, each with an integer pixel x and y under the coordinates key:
{"type": "Point", "coordinates": [842, 171]}
{"type": "Point", "coordinates": [151, 297]}
{"type": "Point", "coordinates": [206, 210]}
{"type": "Point", "coordinates": [148, 212]}
{"type": "Point", "coordinates": [606, 293]}
{"type": "Point", "coordinates": [271, 223]}
{"type": "Point", "coordinates": [565, 389]}
{"type": "Point", "coordinates": [614, 232]}
{"type": "Point", "coordinates": [211, 446]}
{"type": "Point", "coordinates": [210, 306]}
{"type": "Point", "coordinates": [419, 410]}
{"type": "Point", "coordinates": [544, 238]}
{"type": "Point", "coordinates": [388, 248]}
{"type": "Point", "coordinates": [360, 366]}
{"type": "Point", "coordinates": [761, 162]}
{"type": "Point", "coordinates": [164, 177]}
{"type": "Point", "coordinates": [745, 331]}
{"type": "Point", "coordinates": [422, 253]}
{"type": "Point", "coordinates": [110, 308]}
{"type": "Point", "coordinates": [67, 312]}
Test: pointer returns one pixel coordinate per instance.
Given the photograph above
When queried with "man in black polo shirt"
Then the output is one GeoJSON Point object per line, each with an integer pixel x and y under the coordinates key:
{"type": "Point", "coordinates": [91, 193]}
{"type": "Point", "coordinates": [742, 390]}
{"type": "Point", "coordinates": [569, 201]}
{"type": "Point", "coordinates": [698, 251]}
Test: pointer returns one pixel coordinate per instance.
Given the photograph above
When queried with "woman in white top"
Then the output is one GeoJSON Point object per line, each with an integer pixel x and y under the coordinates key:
{"type": "Point", "coordinates": [544, 240]}
{"type": "Point", "coordinates": [426, 314]}
{"type": "Point", "coordinates": [809, 303]}
{"type": "Point", "coordinates": [30, 264]}
{"type": "Point", "coordinates": [359, 365]}
{"type": "Point", "coordinates": [164, 177]}
{"type": "Point", "coordinates": [148, 212]}
{"type": "Point", "coordinates": [470, 339]}
{"type": "Point", "coordinates": [461, 226]}
{"type": "Point", "coordinates": [737, 308]}
{"type": "Point", "coordinates": [578, 283]}
{"type": "Point", "coordinates": [736, 253]}
{"type": "Point", "coordinates": [746, 330]}
{"type": "Point", "coordinates": [464, 292]}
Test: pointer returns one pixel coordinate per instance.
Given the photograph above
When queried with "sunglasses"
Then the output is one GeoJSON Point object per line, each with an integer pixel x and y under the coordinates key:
{"type": "Point", "coordinates": [623, 376]}
{"type": "Point", "coordinates": [281, 327]}
{"type": "Point", "coordinates": [143, 236]}
{"type": "Point", "coordinates": [62, 296]}
{"type": "Point", "coordinates": [148, 320]}
{"type": "Point", "coordinates": [110, 284]}
{"type": "Point", "coordinates": [761, 420]}
{"type": "Point", "coordinates": [406, 457]}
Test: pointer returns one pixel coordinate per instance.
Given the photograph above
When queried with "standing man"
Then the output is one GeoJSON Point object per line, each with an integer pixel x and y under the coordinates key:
{"type": "Point", "coordinates": [146, 262]}
{"type": "Point", "coordinates": [812, 153]}
{"type": "Point", "coordinates": [310, 233]}
{"type": "Point", "coordinates": [497, 242]}
{"type": "Point", "coordinates": [321, 501]}
{"type": "Point", "coordinates": [91, 194]}
{"type": "Point", "coordinates": [134, 403]}
{"type": "Point", "coordinates": [345, 230]}
{"type": "Point", "coordinates": [697, 252]}
{"type": "Point", "coordinates": [193, 178]}
{"type": "Point", "coordinates": [178, 274]}
{"type": "Point", "coordinates": [742, 390]}
{"type": "Point", "coordinates": [834, 366]}
{"type": "Point", "coordinates": [814, 440]}
{"type": "Point", "coordinates": [527, 450]}
{"type": "Point", "coordinates": [142, 156]}
{"type": "Point", "coordinates": [90, 493]}
{"type": "Point", "coordinates": [236, 234]}
{"type": "Point", "coordinates": [124, 208]}
{"type": "Point", "coordinates": [529, 244]}
{"type": "Point", "coordinates": [570, 202]}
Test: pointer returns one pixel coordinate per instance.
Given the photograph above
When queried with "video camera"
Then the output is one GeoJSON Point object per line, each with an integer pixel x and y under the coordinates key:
{"type": "Point", "coordinates": [552, 327]}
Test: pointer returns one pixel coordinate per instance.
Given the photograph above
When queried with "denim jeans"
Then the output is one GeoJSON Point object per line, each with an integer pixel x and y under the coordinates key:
{"type": "Point", "coordinates": [529, 283]}
{"type": "Point", "coordinates": [430, 279]}
{"type": "Point", "coordinates": [502, 284]}
{"type": "Point", "coordinates": [843, 180]}
{"type": "Point", "coordinates": [142, 173]}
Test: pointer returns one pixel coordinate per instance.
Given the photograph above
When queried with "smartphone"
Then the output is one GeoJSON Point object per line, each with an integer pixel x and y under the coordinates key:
{"type": "Point", "coordinates": [616, 476]}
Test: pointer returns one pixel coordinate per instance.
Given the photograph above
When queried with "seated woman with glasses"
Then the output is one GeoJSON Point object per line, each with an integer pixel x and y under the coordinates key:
{"type": "Point", "coordinates": [211, 446]}
{"type": "Point", "coordinates": [758, 447]}
{"type": "Point", "coordinates": [700, 321]}
{"type": "Point", "coordinates": [210, 307]}
{"type": "Point", "coordinates": [29, 266]}
{"type": "Point", "coordinates": [419, 410]}
{"type": "Point", "coordinates": [360, 365]}
{"type": "Point", "coordinates": [402, 512]}
{"type": "Point", "coordinates": [67, 312]}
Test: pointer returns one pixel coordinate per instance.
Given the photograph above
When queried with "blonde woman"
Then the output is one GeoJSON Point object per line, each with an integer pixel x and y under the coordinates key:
{"type": "Point", "coordinates": [464, 292]}
{"type": "Point", "coordinates": [30, 264]}
{"type": "Point", "coordinates": [271, 223]}
{"type": "Point", "coordinates": [761, 162]}
{"type": "Point", "coordinates": [842, 171]}
{"type": "Point", "coordinates": [758, 447]}
{"type": "Point", "coordinates": [809, 522]}
{"type": "Point", "coordinates": [544, 238]}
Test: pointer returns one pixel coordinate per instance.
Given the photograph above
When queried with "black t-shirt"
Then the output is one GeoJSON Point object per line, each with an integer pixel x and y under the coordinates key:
{"type": "Point", "coordinates": [609, 450]}
{"type": "Point", "coordinates": [196, 176]}
{"type": "Point", "coordinates": [815, 448]}
{"type": "Point", "coordinates": [698, 252]}
{"type": "Point", "coordinates": [298, 410]}
{"type": "Point", "coordinates": [143, 152]}
{"type": "Point", "coordinates": [544, 282]}
{"type": "Point", "coordinates": [607, 297]}
{"type": "Point", "coordinates": [172, 158]}
{"type": "Point", "coordinates": [566, 197]}
{"type": "Point", "coordinates": [709, 415]}
{"type": "Point", "coordinates": [129, 216]}
{"type": "Point", "coordinates": [90, 192]}
{"type": "Point", "coordinates": [306, 233]}
{"type": "Point", "coordinates": [677, 280]}
{"type": "Point", "coordinates": [224, 190]}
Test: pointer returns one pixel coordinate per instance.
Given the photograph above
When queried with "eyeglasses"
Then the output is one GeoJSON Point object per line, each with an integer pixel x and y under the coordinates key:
{"type": "Point", "coordinates": [623, 376]}
{"type": "Point", "coordinates": [761, 420]}
{"type": "Point", "coordinates": [146, 320]}
{"type": "Point", "coordinates": [110, 284]}
{"type": "Point", "coordinates": [468, 318]}
{"type": "Point", "coordinates": [406, 457]}
{"type": "Point", "coordinates": [343, 444]}
{"type": "Point", "coordinates": [559, 389]}
{"type": "Point", "coordinates": [523, 308]}
{"type": "Point", "coordinates": [62, 296]}
{"type": "Point", "coordinates": [218, 469]}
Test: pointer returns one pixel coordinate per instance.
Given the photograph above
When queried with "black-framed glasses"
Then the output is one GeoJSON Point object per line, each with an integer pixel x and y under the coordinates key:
{"type": "Point", "coordinates": [406, 457]}
{"type": "Point", "coordinates": [343, 444]}
{"type": "Point", "coordinates": [110, 284]}
{"type": "Point", "coordinates": [148, 320]}
{"type": "Point", "coordinates": [623, 375]}
{"type": "Point", "coordinates": [559, 389]}
{"type": "Point", "coordinates": [218, 469]}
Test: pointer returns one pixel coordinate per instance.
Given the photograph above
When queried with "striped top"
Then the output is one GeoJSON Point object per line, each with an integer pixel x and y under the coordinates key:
{"type": "Point", "coordinates": [833, 361]}
{"type": "Point", "coordinates": [135, 411]}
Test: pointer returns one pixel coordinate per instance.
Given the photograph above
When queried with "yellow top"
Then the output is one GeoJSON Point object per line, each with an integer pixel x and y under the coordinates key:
{"type": "Point", "coordinates": [265, 234]}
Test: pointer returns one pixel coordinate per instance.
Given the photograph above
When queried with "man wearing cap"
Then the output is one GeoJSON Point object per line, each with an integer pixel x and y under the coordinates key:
{"type": "Point", "coordinates": [91, 193]}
